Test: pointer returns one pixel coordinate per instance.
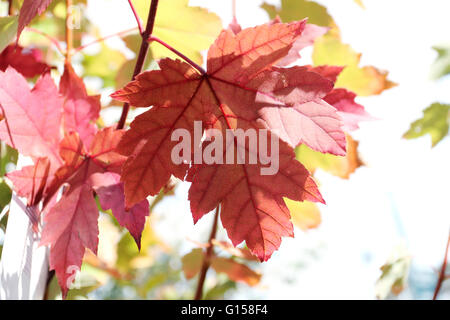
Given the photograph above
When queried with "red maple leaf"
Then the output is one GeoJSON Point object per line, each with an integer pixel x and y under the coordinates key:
{"type": "Point", "coordinates": [80, 110]}
{"type": "Point", "coordinates": [240, 89]}
{"type": "Point", "coordinates": [225, 94]}
{"type": "Point", "coordinates": [32, 117]}
{"type": "Point", "coordinates": [307, 39]}
{"type": "Point", "coordinates": [350, 111]}
{"type": "Point", "coordinates": [29, 62]}
{"type": "Point", "coordinates": [30, 181]}
{"type": "Point", "coordinates": [29, 9]}
{"type": "Point", "coordinates": [343, 100]}
{"type": "Point", "coordinates": [252, 205]}
{"type": "Point", "coordinates": [33, 121]}
{"type": "Point", "coordinates": [71, 226]}
{"type": "Point", "coordinates": [110, 193]}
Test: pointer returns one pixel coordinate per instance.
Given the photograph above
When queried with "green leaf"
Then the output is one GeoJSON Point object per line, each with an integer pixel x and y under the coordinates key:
{"type": "Point", "coordinates": [8, 155]}
{"type": "Point", "coordinates": [8, 31]}
{"type": "Point", "coordinates": [441, 66]}
{"type": "Point", "coordinates": [219, 290]}
{"type": "Point", "coordinates": [187, 29]}
{"type": "Point", "coordinates": [192, 263]}
{"type": "Point", "coordinates": [5, 194]}
{"type": "Point", "coordinates": [125, 72]}
{"type": "Point", "coordinates": [292, 10]}
{"type": "Point", "coordinates": [435, 122]}
{"type": "Point", "coordinates": [104, 64]}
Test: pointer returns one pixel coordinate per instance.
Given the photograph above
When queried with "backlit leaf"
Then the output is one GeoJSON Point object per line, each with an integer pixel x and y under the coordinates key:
{"type": "Point", "coordinates": [435, 122]}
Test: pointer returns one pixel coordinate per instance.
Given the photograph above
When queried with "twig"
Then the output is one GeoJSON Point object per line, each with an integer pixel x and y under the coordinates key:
{"type": "Point", "coordinates": [233, 9]}
{"type": "Point", "coordinates": [141, 57]}
{"type": "Point", "coordinates": [178, 53]}
{"type": "Point", "coordinates": [206, 262]}
{"type": "Point", "coordinates": [50, 38]}
{"type": "Point", "coordinates": [10, 7]}
{"type": "Point", "coordinates": [442, 275]}
{"type": "Point", "coordinates": [117, 34]}
{"type": "Point", "coordinates": [138, 20]}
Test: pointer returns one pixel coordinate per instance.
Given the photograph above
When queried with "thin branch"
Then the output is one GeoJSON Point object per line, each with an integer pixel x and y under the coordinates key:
{"type": "Point", "coordinates": [178, 53]}
{"type": "Point", "coordinates": [117, 34]}
{"type": "Point", "coordinates": [10, 7]}
{"type": "Point", "coordinates": [141, 57]}
{"type": "Point", "coordinates": [233, 9]}
{"type": "Point", "coordinates": [136, 16]}
{"type": "Point", "coordinates": [50, 38]}
{"type": "Point", "coordinates": [442, 275]}
{"type": "Point", "coordinates": [206, 260]}
{"type": "Point", "coordinates": [69, 31]}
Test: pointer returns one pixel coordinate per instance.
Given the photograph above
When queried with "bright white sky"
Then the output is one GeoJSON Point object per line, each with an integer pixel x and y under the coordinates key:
{"type": "Point", "coordinates": [402, 193]}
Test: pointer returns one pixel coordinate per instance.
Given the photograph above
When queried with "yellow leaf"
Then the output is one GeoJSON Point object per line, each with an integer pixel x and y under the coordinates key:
{"type": "Point", "coordinates": [292, 10]}
{"type": "Point", "coordinates": [360, 3]}
{"type": "Point", "coordinates": [364, 81]}
{"type": "Point", "coordinates": [235, 271]}
{"type": "Point", "coordinates": [192, 262]}
{"type": "Point", "coordinates": [187, 29]}
{"type": "Point", "coordinates": [305, 215]}
{"type": "Point", "coordinates": [339, 166]}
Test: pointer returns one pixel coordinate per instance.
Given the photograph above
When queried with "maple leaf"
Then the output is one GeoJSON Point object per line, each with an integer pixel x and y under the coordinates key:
{"type": "Point", "coordinates": [341, 167]}
{"type": "Point", "coordinates": [350, 111]}
{"type": "Point", "coordinates": [441, 66]}
{"type": "Point", "coordinates": [8, 30]}
{"type": "Point", "coordinates": [26, 61]}
{"type": "Point", "coordinates": [435, 122]}
{"type": "Point", "coordinates": [110, 192]}
{"type": "Point", "coordinates": [364, 81]}
{"type": "Point", "coordinates": [307, 38]}
{"type": "Point", "coordinates": [252, 205]}
{"type": "Point", "coordinates": [80, 110]}
{"type": "Point", "coordinates": [32, 117]}
{"type": "Point", "coordinates": [311, 120]}
{"type": "Point", "coordinates": [30, 181]}
{"type": "Point", "coordinates": [192, 264]}
{"type": "Point", "coordinates": [330, 50]}
{"type": "Point", "coordinates": [29, 9]}
{"type": "Point", "coordinates": [235, 271]}
{"type": "Point", "coordinates": [305, 215]}
{"type": "Point", "coordinates": [291, 10]}
{"type": "Point", "coordinates": [227, 95]}
{"type": "Point", "coordinates": [71, 225]}
{"type": "Point", "coordinates": [342, 99]}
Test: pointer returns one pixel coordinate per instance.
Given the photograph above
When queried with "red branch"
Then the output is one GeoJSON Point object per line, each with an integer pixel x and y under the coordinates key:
{"type": "Point", "coordinates": [50, 38]}
{"type": "Point", "coordinates": [136, 16]}
{"type": "Point", "coordinates": [442, 275]}
{"type": "Point", "coordinates": [141, 57]}
{"type": "Point", "coordinates": [178, 53]}
{"type": "Point", "coordinates": [117, 34]}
